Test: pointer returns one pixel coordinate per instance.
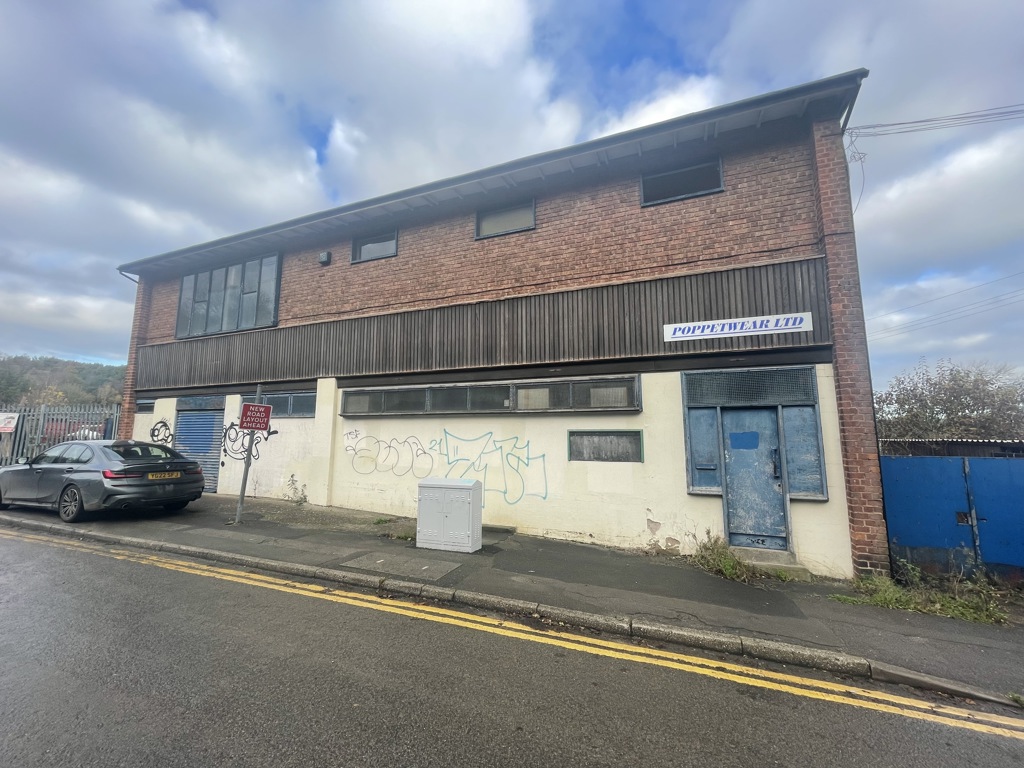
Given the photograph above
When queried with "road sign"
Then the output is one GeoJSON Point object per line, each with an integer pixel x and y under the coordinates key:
{"type": "Point", "coordinates": [256, 417]}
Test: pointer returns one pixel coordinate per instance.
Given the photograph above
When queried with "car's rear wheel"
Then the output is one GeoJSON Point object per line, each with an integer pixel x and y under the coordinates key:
{"type": "Point", "coordinates": [174, 506]}
{"type": "Point", "coordinates": [70, 507]}
{"type": "Point", "coordinates": [3, 505]}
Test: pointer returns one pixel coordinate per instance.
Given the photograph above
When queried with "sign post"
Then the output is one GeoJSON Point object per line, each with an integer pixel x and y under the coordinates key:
{"type": "Point", "coordinates": [255, 418]}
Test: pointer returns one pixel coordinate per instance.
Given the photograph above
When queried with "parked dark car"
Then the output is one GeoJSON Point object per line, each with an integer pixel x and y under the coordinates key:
{"type": "Point", "coordinates": [89, 475]}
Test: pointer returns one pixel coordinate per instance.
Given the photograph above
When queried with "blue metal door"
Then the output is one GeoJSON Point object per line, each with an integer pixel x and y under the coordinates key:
{"type": "Point", "coordinates": [997, 490]}
{"type": "Point", "coordinates": [198, 435]}
{"type": "Point", "coordinates": [755, 504]}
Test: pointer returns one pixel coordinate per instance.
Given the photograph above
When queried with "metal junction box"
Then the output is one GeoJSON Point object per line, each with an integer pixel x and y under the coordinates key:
{"type": "Point", "coordinates": [450, 514]}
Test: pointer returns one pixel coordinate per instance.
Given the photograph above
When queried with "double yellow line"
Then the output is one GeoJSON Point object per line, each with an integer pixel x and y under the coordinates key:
{"type": "Point", "coordinates": [837, 693]}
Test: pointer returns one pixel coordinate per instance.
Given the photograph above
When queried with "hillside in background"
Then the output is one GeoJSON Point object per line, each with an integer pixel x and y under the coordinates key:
{"type": "Point", "coordinates": [51, 381]}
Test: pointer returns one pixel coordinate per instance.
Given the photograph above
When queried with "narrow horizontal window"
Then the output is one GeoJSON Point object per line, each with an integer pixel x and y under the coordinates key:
{"type": "Point", "coordinates": [145, 406]}
{"type": "Point", "coordinates": [375, 247]}
{"type": "Point", "coordinates": [288, 404]}
{"type": "Point", "coordinates": [679, 184]}
{"type": "Point", "coordinates": [502, 221]}
{"type": "Point", "coordinates": [615, 394]}
{"type": "Point", "coordinates": [405, 401]}
{"type": "Point", "coordinates": [543, 397]}
{"type": "Point", "coordinates": [361, 403]}
{"type": "Point", "coordinates": [621, 393]}
{"type": "Point", "coordinates": [622, 446]}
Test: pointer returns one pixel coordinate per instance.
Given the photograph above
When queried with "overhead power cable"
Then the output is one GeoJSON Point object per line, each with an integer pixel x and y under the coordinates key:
{"type": "Point", "coordinates": [944, 296]}
{"type": "Point", "coordinates": [991, 115]}
{"type": "Point", "coordinates": [968, 310]}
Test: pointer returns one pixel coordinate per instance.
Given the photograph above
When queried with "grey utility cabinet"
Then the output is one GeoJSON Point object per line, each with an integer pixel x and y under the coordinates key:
{"type": "Point", "coordinates": [450, 514]}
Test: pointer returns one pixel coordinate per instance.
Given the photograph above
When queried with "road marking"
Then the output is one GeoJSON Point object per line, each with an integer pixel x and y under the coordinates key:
{"type": "Point", "coordinates": [822, 690]}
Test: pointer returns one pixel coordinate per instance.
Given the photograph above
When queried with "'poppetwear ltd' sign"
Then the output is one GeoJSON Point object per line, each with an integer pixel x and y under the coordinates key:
{"type": "Point", "coordinates": [740, 326]}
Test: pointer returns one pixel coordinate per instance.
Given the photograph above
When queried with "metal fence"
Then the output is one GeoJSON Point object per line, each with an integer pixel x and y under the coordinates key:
{"type": "Point", "coordinates": [29, 430]}
{"type": "Point", "coordinates": [953, 515]}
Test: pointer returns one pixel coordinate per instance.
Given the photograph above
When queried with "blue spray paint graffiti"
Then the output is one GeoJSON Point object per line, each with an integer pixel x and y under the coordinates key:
{"type": "Point", "coordinates": [504, 467]}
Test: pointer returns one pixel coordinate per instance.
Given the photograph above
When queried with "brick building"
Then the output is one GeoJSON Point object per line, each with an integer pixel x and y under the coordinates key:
{"type": "Point", "coordinates": [630, 341]}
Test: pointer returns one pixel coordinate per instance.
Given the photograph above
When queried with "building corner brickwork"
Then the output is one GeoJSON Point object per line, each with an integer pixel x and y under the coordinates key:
{"type": "Point", "coordinates": [140, 325]}
{"type": "Point", "coordinates": [868, 537]}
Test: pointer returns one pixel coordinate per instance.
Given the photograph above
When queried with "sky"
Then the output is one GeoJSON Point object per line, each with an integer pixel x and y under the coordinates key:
{"type": "Point", "coordinates": [129, 128]}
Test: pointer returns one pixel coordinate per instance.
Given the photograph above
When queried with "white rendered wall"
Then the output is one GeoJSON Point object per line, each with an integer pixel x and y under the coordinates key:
{"type": "Point", "coordinates": [529, 483]}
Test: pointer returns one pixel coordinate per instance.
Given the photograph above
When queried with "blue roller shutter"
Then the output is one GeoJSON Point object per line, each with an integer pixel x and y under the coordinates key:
{"type": "Point", "coordinates": [198, 435]}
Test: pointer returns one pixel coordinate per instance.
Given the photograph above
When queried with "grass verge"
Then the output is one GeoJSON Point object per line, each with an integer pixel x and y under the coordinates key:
{"type": "Point", "coordinates": [976, 599]}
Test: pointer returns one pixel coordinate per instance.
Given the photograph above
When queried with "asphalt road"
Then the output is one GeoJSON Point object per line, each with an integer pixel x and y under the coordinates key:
{"type": "Point", "coordinates": [114, 658]}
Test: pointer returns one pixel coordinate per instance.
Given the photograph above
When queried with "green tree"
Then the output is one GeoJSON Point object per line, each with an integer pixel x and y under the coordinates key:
{"type": "Point", "coordinates": [954, 401]}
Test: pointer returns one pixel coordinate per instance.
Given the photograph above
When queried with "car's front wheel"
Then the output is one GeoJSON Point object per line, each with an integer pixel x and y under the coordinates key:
{"type": "Point", "coordinates": [70, 506]}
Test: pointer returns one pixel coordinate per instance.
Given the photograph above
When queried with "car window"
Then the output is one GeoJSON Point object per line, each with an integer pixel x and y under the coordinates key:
{"type": "Point", "coordinates": [50, 455]}
{"type": "Point", "coordinates": [144, 451]}
{"type": "Point", "coordinates": [74, 454]}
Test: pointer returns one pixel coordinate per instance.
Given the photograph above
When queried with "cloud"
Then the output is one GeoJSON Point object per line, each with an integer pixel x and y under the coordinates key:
{"type": "Point", "coordinates": [672, 99]}
{"type": "Point", "coordinates": [133, 127]}
{"type": "Point", "coordinates": [963, 202]}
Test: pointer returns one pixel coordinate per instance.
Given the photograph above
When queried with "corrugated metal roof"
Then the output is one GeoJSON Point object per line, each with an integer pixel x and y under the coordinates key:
{"type": "Point", "coordinates": [838, 93]}
{"type": "Point", "coordinates": [951, 440]}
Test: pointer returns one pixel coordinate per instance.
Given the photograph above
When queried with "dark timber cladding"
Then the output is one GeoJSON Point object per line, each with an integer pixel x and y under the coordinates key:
{"type": "Point", "coordinates": [591, 324]}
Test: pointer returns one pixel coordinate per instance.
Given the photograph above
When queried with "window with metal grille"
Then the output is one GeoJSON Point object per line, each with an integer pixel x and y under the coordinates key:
{"type": "Point", "coordinates": [769, 386]}
{"type": "Point", "coordinates": [792, 392]}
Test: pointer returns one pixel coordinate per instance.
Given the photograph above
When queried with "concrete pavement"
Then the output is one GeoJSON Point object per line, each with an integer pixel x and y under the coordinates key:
{"type": "Point", "coordinates": [658, 598]}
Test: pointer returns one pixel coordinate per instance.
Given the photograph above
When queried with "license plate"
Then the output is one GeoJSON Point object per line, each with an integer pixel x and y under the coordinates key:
{"type": "Point", "coordinates": [163, 475]}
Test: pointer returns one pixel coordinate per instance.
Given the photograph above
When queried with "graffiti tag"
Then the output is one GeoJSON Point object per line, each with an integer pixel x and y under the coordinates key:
{"type": "Point", "coordinates": [161, 433]}
{"type": "Point", "coordinates": [504, 466]}
{"type": "Point", "coordinates": [234, 441]}
{"type": "Point", "coordinates": [399, 457]}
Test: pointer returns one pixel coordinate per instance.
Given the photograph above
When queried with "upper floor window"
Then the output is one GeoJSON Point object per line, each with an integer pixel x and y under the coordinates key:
{"type": "Point", "coordinates": [502, 221]}
{"type": "Point", "coordinates": [231, 298]}
{"type": "Point", "coordinates": [375, 247]}
{"type": "Point", "coordinates": [682, 183]}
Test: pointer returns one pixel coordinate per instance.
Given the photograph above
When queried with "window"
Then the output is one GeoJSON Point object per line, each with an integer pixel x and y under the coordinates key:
{"type": "Point", "coordinates": [50, 455]}
{"type": "Point", "coordinates": [145, 406]}
{"type": "Point", "coordinates": [502, 221]}
{"type": "Point", "coordinates": [623, 445]}
{"type": "Point", "coordinates": [288, 404]}
{"type": "Point", "coordinates": [232, 298]}
{"type": "Point", "coordinates": [375, 247]}
{"type": "Point", "coordinates": [790, 392]}
{"type": "Point", "coordinates": [130, 450]}
{"type": "Point", "coordinates": [681, 184]}
{"type": "Point", "coordinates": [621, 393]}
{"type": "Point", "coordinates": [77, 454]}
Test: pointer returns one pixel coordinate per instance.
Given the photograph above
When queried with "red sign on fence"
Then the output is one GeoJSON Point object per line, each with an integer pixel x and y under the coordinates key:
{"type": "Point", "coordinates": [255, 417]}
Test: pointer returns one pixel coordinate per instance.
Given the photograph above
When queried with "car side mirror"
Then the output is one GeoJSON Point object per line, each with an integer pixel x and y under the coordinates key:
{"type": "Point", "coordinates": [23, 460]}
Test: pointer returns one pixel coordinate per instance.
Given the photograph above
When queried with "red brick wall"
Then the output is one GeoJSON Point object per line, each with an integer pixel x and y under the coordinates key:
{"type": "Point", "coordinates": [143, 305]}
{"type": "Point", "coordinates": [850, 362]}
{"type": "Point", "coordinates": [590, 236]}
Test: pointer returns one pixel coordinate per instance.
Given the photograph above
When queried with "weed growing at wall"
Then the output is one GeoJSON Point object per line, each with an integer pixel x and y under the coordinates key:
{"type": "Point", "coordinates": [975, 599]}
{"type": "Point", "coordinates": [713, 554]}
{"type": "Point", "coordinates": [295, 493]}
